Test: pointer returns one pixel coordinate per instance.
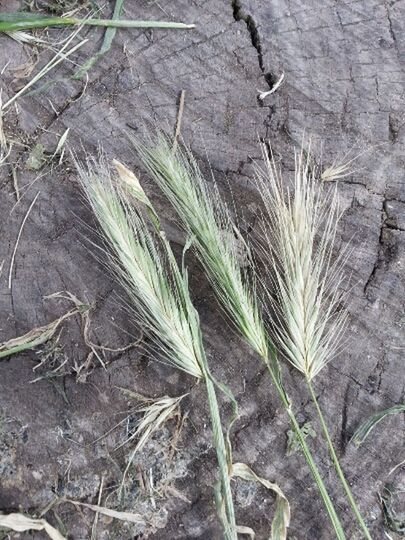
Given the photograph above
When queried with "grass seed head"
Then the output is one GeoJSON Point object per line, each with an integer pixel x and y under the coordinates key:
{"type": "Point", "coordinates": [159, 295]}
{"type": "Point", "coordinates": [299, 233]}
{"type": "Point", "coordinates": [207, 220]}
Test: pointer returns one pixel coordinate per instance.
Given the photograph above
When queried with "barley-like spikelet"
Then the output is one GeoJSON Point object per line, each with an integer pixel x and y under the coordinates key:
{"type": "Point", "coordinates": [160, 296]}
{"type": "Point", "coordinates": [207, 221]}
{"type": "Point", "coordinates": [299, 232]}
{"type": "Point", "coordinates": [163, 306]}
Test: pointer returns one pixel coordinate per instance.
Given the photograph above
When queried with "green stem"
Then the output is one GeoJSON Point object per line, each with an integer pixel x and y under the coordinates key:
{"type": "Point", "coordinates": [135, 24]}
{"type": "Point", "coordinates": [12, 24]}
{"type": "Point", "coordinates": [336, 463]}
{"type": "Point", "coordinates": [308, 456]}
{"type": "Point", "coordinates": [14, 350]}
{"type": "Point", "coordinates": [219, 443]}
{"type": "Point", "coordinates": [105, 46]}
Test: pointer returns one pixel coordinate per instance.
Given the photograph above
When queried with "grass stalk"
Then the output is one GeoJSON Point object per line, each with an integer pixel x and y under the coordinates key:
{"type": "Point", "coordinates": [222, 458]}
{"type": "Point", "coordinates": [206, 219]}
{"type": "Point", "coordinates": [329, 506]}
{"type": "Point", "coordinates": [17, 21]}
{"type": "Point", "coordinates": [298, 238]}
{"type": "Point", "coordinates": [336, 463]}
{"type": "Point", "coordinates": [106, 44]}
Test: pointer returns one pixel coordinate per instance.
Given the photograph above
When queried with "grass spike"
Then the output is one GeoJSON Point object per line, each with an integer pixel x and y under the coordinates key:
{"type": "Point", "coordinates": [212, 232]}
{"type": "Point", "coordinates": [299, 235]}
{"type": "Point", "coordinates": [299, 232]}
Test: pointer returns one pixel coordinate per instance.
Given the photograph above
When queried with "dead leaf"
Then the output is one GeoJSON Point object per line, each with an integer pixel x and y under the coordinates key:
{"type": "Point", "coordinates": [123, 516]}
{"type": "Point", "coordinates": [20, 523]}
{"type": "Point", "coordinates": [33, 338]}
{"type": "Point", "coordinates": [281, 519]}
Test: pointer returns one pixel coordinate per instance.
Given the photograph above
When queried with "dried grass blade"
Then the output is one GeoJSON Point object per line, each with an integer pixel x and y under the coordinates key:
{"type": "Point", "coordinates": [20, 523]}
{"type": "Point", "coordinates": [155, 414]}
{"type": "Point", "coordinates": [122, 516]}
{"type": "Point", "coordinates": [10, 275]}
{"type": "Point", "coordinates": [59, 147]}
{"type": "Point", "coordinates": [61, 55]}
{"type": "Point", "coordinates": [3, 140]}
{"type": "Point", "coordinates": [33, 338]}
{"type": "Point", "coordinates": [281, 519]}
{"type": "Point", "coordinates": [23, 37]}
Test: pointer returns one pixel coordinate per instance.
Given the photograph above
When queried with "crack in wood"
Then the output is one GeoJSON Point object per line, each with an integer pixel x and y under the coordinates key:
{"type": "Point", "coordinates": [239, 14]}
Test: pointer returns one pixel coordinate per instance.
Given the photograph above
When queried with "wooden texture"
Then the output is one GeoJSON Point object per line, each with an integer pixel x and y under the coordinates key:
{"type": "Point", "coordinates": [344, 86]}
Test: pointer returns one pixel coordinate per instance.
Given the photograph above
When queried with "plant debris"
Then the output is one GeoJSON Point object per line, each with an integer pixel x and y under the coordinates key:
{"type": "Point", "coordinates": [364, 430]}
{"type": "Point", "coordinates": [36, 158]}
{"type": "Point", "coordinates": [394, 521]}
{"type": "Point", "coordinates": [281, 519]}
{"type": "Point", "coordinates": [21, 523]}
{"type": "Point", "coordinates": [293, 444]}
{"type": "Point", "coordinates": [33, 338]}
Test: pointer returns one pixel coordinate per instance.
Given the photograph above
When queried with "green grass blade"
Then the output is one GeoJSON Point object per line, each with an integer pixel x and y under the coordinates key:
{"type": "Point", "coordinates": [364, 430]}
{"type": "Point", "coordinates": [105, 46]}
{"type": "Point", "coordinates": [10, 22]}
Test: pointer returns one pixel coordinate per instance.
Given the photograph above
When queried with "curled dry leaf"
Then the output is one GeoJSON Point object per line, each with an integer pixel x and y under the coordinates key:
{"type": "Point", "coordinates": [33, 338]}
{"type": "Point", "coordinates": [20, 523]}
{"type": "Point", "coordinates": [132, 184]}
{"type": "Point", "coordinates": [281, 519]}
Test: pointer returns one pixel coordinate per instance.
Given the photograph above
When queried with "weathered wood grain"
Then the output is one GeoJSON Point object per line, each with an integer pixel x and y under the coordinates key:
{"type": "Point", "coordinates": [344, 84]}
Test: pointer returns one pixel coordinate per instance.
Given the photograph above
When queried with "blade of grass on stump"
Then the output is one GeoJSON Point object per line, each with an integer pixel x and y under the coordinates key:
{"type": "Point", "coordinates": [10, 22]}
{"type": "Point", "coordinates": [105, 46]}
